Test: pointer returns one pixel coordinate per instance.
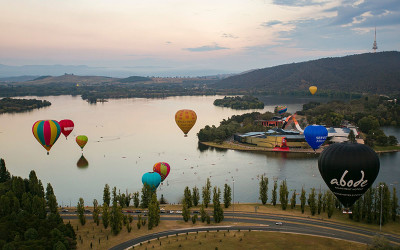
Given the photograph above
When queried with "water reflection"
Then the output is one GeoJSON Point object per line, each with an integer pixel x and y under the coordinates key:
{"type": "Point", "coordinates": [82, 162]}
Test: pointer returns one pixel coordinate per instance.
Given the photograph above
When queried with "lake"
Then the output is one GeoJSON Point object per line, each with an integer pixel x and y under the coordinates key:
{"type": "Point", "coordinates": [128, 136]}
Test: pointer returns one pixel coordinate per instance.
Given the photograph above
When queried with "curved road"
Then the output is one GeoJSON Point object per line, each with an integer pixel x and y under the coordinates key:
{"type": "Point", "coordinates": [266, 222]}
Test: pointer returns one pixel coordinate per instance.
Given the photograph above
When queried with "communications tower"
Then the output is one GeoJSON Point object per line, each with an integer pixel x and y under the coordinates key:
{"type": "Point", "coordinates": [375, 46]}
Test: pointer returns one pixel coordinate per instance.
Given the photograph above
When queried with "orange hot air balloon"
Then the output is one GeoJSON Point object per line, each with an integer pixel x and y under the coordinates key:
{"type": "Point", "coordinates": [81, 140]}
{"type": "Point", "coordinates": [313, 89]}
{"type": "Point", "coordinates": [185, 119]}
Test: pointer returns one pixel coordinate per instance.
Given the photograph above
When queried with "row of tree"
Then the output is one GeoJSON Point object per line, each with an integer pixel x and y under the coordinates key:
{"type": "Point", "coordinates": [29, 217]}
{"type": "Point", "coordinates": [368, 208]}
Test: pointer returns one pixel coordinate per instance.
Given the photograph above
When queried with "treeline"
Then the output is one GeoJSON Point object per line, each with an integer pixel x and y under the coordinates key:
{"type": "Point", "coordinates": [235, 124]}
{"type": "Point", "coordinates": [29, 217]}
{"type": "Point", "coordinates": [367, 208]}
{"type": "Point", "coordinates": [237, 102]}
{"type": "Point", "coordinates": [369, 113]}
{"type": "Point", "coordinates": [9, 105]}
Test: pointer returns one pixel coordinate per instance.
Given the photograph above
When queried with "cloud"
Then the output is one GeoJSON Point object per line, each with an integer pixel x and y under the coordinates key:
{"type": "Point", "coordinates": [206, 48]}
{"type": "Point", "coordinates": [227, 35]}
{"type": "Point", "coordinates": [271, 23]}
{"type": "Point", "coordinates": [297, 3]}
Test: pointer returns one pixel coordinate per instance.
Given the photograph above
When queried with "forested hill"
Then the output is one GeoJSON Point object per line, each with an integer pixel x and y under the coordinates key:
{"type": "Point", "coordinates": [370, 72]}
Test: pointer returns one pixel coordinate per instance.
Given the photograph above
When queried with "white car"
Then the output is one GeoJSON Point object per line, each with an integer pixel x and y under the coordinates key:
{"type": "Point", "coordinates": [278, 223]}
{"type": "Point", "coordinates": [178, 211]}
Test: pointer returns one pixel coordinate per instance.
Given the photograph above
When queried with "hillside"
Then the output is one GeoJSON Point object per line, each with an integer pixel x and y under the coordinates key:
{"type": "Point", "coordinates": [370, 72]}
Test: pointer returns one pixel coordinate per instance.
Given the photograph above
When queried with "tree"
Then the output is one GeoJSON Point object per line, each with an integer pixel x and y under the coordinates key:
{"type": "Point", "coordinates": [146, 196]}
{"type": "Point", "coordinates": [114, 195]}
{"type": "Point", "coordinates": [96, 212]}
{"type": "Point", "coordinates": [34, 188]}
{"type": "Point", "coordinates": [263, 189]}
{"type": "Point", "coordinates": [368, 123]}
{"type": "Point", "coordinates": [311, 202]}
{"type": "Point", "coordinates": [106, 195]}
{"type": "Point", "coordinates": [116, 218]}
{"type": "Point", "coordinates": [195, 196]}
{"type": "Point", "coordinates": [203, 213]}
{"type": "Point", "coordinates": [302, 200]}
{"type": "Point", "coordinates": [38, 206]}
{"type": "Point", "coordinates": [394, 204]}
{"type": "Point", "coordinates": [128, 198]}
{"type": "Point", "coordinates": [136, 199]}
{"type": "Point", "coordinates": [188, 197]}
{"type": "Point", "coordinates": [227, 195]}
{"type": "Point", "coordinates": [319, 205]}
{"type": "Point", "coordinates": [4, 174]}
{"type": "Point", "coordinates": [154, 212]}
{"type": "Point", "coordinates": [81, 211]}
{"type": "Point", "coordinates": [283, 194]}
{"type": "Point", "coordinates": [330, 204]}
{"type": "Point", "coordinates": [105, 215]}
{"type": "Point", "coordinates": [356, 210]}
{"type": "Point", "coordinates": [49, 191]}
{"type": "Point", "coordinates": [392, 140]}
{"type": "Point", "coordinates": [385, 202]}
{"type": "Point", "coordinates": [274, 194]}
{"type": "Point", "coordinates": [293, 200]}
{"type": "Point", "coordinates": [206, 194]}
{"type": "Point", "coordinates": [218, 211]}
{"type": "Point", "coordinates": [52, 203]}
{"type": "Point", "coordinates": [351, 136]}
{"type": "Point", "coordinates": [185, 211]}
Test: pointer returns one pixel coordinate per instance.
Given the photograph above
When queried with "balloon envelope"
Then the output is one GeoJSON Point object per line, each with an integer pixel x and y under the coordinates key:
{"type": "Point", "coordinates": [348, 169]}
{"type": "Point", "coordinates": [315, 135]}
{"type": "Point", "coordinates": [82, 162]}
{"type": "Point", "coordinates": [281, 109]}
{"type": "Point", "coordinates": [313, 89]}
{"type": "Point", "coordinates": [185, 119]}
{"type": "Point", "coordinates": [46, 132]}
{"type": "Point", "coordinates": [66, 127]}
{"type": "Point", "coordinates": [81, 140]}
{"type": "Point", "coordinates": [162, 168]}
{"type": "Point", "coordinates": [152, 179]}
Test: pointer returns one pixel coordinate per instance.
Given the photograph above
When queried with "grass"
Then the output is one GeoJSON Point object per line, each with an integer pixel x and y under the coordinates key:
{"type": "Point", "coordinates": [248, 240]}
{"type": "Point", "coordinates": [387, 148]}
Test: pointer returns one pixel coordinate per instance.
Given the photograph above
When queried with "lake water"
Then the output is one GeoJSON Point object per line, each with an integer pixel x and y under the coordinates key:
{"type": "Point", "coordinates": [128, 136]}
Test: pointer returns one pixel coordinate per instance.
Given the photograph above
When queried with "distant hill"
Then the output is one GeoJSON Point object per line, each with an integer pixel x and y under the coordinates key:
{"type": "Point", "coordinates": [370, 72]}
{"type": "Point", "coordinates": [70, 79]}
{"type": "Point", "coordinates": [133, 79]}
{"type": "Point", "coordinates": [17, 79]}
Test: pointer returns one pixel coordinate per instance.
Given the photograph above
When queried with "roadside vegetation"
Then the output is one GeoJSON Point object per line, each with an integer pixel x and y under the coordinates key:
{"type": "Point", "coordinates": [237, 102]}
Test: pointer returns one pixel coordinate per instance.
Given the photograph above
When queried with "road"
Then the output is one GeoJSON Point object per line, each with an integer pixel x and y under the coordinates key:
{"type": "Point", "coordinates": [266, 222]}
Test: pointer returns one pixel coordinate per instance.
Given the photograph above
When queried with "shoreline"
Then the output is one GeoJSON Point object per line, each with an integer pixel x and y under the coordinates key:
{"type": "Point", "coordinates": [250, 148]}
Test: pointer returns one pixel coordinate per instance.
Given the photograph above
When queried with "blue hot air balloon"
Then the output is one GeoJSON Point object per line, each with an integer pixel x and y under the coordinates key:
{"type": "Point", "coordinates": [315, 135]}
{"type": "Point", "coordinates": [152, 179]}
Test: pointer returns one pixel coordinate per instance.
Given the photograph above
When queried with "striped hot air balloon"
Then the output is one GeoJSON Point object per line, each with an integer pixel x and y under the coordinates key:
{"type": "Point", "coordinates": [46, 132]}
{"type": "Point", "coordinates": [281, 109]}
{"type": "Point", "coordinates": [162, 168]}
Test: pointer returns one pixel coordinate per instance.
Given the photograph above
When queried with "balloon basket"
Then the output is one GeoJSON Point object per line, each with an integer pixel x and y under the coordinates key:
{"type": "Point", "coordinates": [48, 153]}
{"type": "Point", "coordinates": [185, 135]}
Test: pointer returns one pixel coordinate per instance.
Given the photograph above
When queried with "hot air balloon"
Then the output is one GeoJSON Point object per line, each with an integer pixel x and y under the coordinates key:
{"type": "Point", "coordinates": [281, 109]}
{"type": "Point", "coordinates": [46, 133]}
{"type": "Point", "coordinates": [66, 127]}
{"type": "Point", "coordinates": [152, 179]}
{"type": "Point", "coordinates": [82, 162]}
{"type": "Point", "coordinates": [185, 119]}
{"type": "Point", "coordinates": [315, 135]}
{"type": "Point", "coordinates": [162, 168]}
{"type": "Point", "coordinates": [81, 140]}
{"type": "Point", "coordinates": [348, 169]}
{"type": "Point", "coordinates": [313, 89]}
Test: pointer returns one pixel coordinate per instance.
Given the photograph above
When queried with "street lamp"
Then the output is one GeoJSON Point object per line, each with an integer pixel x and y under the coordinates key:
{"type": "Point", "coordinates": [380, 220]}
{"type": "Point", "coordinates": [233, 182]}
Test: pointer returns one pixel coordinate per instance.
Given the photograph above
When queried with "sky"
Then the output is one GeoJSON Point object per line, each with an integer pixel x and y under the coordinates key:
{"type": "Point", "coordinates": [186, 37]}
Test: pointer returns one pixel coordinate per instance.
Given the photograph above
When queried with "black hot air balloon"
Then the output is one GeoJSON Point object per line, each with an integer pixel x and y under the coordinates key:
{"type": "Point", "coordinates": [348, 169]}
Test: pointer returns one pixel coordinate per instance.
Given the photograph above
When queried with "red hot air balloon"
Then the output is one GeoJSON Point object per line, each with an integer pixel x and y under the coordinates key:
{"type": "Point", "coordinates": [66, 127]}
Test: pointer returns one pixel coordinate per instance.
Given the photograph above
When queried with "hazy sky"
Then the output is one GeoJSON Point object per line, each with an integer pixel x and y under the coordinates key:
{"type": "Point", "coordinates": [187, 35]}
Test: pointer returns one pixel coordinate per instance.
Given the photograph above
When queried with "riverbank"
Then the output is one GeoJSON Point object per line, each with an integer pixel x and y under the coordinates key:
{"type": "Point", "coordinates": [246, 147]}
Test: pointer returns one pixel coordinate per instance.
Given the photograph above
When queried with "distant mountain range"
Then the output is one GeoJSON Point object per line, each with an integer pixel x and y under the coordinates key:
{"type": "Point", "coordinates": [369, 72]}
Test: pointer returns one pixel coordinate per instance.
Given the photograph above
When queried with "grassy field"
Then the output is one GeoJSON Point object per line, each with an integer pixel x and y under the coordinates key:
{"type": "Point", "coordinates": [247, 240]}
